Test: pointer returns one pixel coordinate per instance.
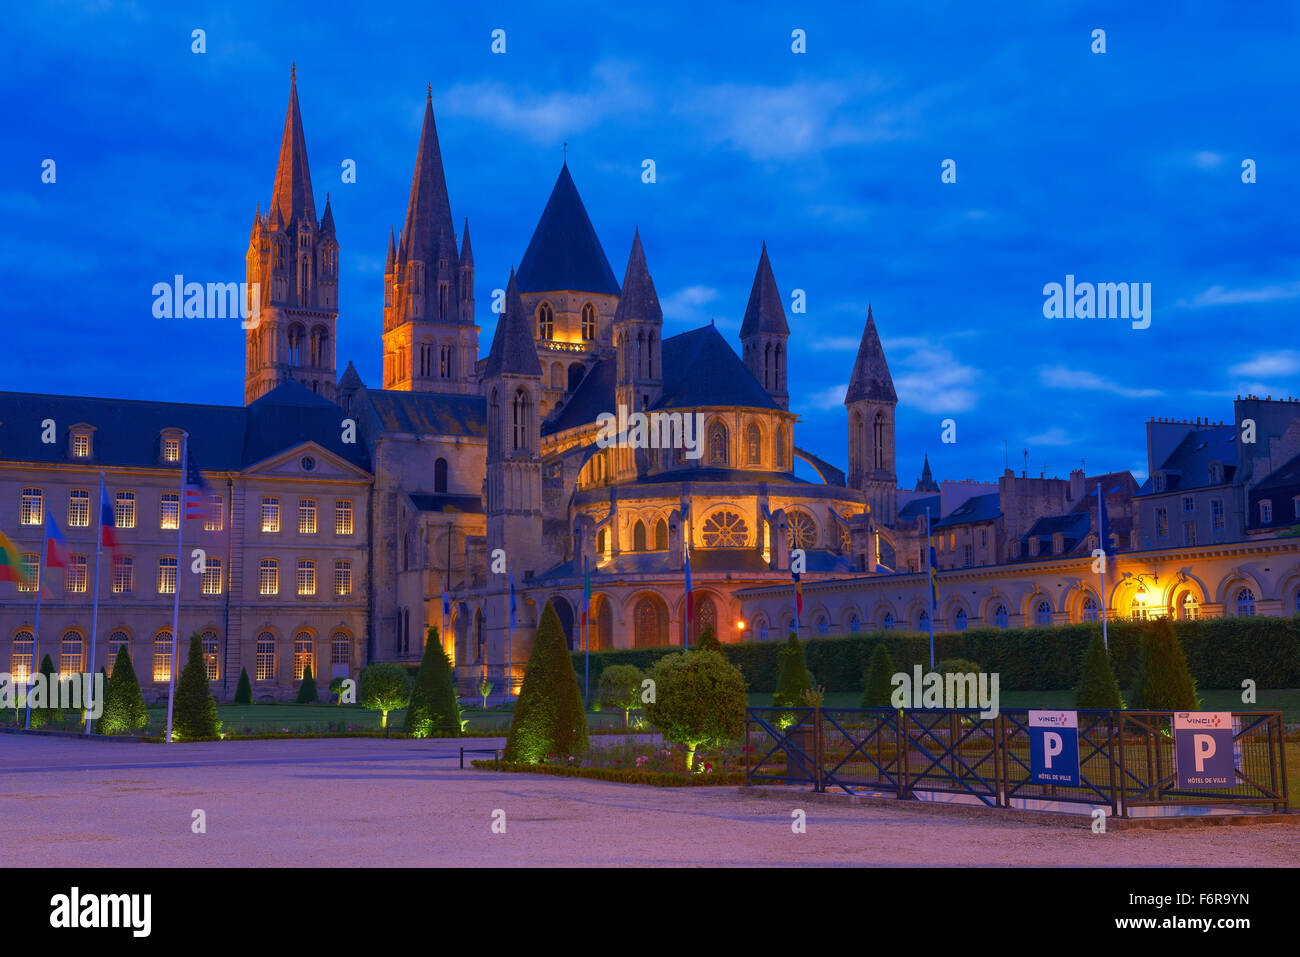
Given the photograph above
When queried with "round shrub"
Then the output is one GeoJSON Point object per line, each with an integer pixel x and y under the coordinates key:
{"type": "Point", "coordinates": [699, 698]}
{"type": "Point", "coordinates": [384, 687]}
{"type": "Point", "coordinates": [620, 687]}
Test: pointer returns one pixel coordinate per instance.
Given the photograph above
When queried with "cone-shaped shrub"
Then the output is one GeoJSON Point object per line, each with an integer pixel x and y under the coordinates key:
{"type": "Point", "coordinates": [307, 693]}
{"type": "Point", "coordinates": [699, 699]}
{"type": "Point", "coordinates": [707, 640]}
{"type": "Point", "coordinates": [792, 680]}
{"type": "Point", "coordinates": [46, 714]}
{"type": "Point", "coordinates": [124, 709]}
{"type": "Point", "coordinates": [384, 687]}
{"type": "Point", "coordinates": [1164, 681]}
{"type": "Point", "coordinates": [879, 687]}
{"type": "Point", "coordinates": [434, 708]}
{"type": "Point", "coordinates": [1098, 689]}
{"type": "Point", "coordinates": [244, 690]}
{"type": "Point", "coordinates": [549, 718]}
{"type": "Point", "coordinates": [620, 687]}
{"type": "Point", "coordinates": [195, 711]}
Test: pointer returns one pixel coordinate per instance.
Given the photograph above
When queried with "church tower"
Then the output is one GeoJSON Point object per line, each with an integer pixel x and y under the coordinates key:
{"type": "Point", "coordinates": [430, 340]}
{"type": "Point", "coordinates": [638, 331]}
{"type": "Point", "coordinates": [293, 263]}
{"type": "Point", "coordinates": [764, 333]}
{"type": "Point", "coordinates": [871, 402]}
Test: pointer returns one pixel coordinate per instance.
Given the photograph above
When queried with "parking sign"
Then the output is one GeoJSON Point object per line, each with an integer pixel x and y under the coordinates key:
{"type": "Point", "coordinates": [1054, 747]}
{"type": "Point", "coordinates": [1203, 755]}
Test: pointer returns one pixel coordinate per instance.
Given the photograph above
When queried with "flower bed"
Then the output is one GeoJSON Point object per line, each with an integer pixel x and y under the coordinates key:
{"type": "Point", "coordinates": [640, 762]}
{"type": "Point", "coordinates": [667, 779]}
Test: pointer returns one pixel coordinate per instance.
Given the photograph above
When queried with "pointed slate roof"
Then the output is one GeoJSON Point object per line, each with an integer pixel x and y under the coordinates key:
{"type": "Point", "coordinates": [639, 299]}
{"type": "Point", "coordinates": [351, 379]}
{"type": "Point", "coordinates": [327, 221]}
{"type": "Point", "coordinates": [392, 252]}
{"type": "Point", "coordinates": [292, 192]}
{"type": "Point", "coordinates": [513, 350]}
{"type": "Point", "coordinates": [428, 213]}
{"type": "Point", "coordinates": [466, 253]}
{"type": "Point", "coordinates": [871, 378]}
{"type": "Point", "coordinates": [564, 252]}
{"type": "Point", "coordinates": [701, 369]}
{"type": "Point", "coordinates": [764, 313]}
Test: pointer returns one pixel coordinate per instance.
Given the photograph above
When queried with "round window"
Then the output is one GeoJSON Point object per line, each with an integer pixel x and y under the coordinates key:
{"type": "Point", "coordinates": [308, 463]}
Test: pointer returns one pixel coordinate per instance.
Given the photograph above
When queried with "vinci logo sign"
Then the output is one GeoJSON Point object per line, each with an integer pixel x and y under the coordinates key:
{"type": "Point", "coordinates": [1203, 749]}
{"type": "Point", "coordinates": [1054, 747]}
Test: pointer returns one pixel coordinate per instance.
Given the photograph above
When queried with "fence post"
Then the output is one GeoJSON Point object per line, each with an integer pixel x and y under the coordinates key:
{"type": "Point", "coordinates": [747, 715]}
{"type": "Point", "coordinates": [817, 747]}
{"type": "Point", "coordinates": [904, 755]}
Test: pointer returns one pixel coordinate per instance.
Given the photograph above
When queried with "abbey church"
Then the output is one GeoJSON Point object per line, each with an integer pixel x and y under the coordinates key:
{"type": "Point", "coordinates": [346, 518]}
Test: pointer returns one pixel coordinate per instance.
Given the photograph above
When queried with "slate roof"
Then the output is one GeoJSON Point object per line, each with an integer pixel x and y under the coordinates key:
{"type": "Point", "coordinates": [639, 300]}
{"type": "Point", "coordinates": [564, 252]}
{"type": "Point", "coordinates": [1188, 465]}
{"type": "Point", "coordinates": [429, 234]}
{"type": "Point", "coordinates": [1073, 526]}
{"type": "Point", "coordinates": [915, 509]}
{"type": "Point", "coordinates": [977, 508]}
{"type": "Point", "coordinates": [427, 413]}
{"type": "Point", "coordinates": [1280, 487]}
{"type": "Point", "coordinates": [292, 194]}
{"type": "Point", "coordinates": [221, 437]}
{"type": "Point", "coordinates": [447, 504]}
{"type": "Point", "coordinates": [700, 369]}
{"type": "Point", "coordinates": [513, 352]}
{"type": "Point", "coordinates": [764, 312]}
{"type": "Point", "coordinates": [871, 378]}
{"type": "Point", "coordinates": [594, 395]}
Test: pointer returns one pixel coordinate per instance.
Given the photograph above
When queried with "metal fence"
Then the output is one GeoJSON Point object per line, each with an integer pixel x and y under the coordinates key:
{"type": "Point", "coordinates": [1126, 758]}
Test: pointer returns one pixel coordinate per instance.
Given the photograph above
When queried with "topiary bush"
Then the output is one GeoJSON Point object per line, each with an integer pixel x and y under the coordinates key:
{"type": "Point", "coordinates": [549, 717]}
{"type": "Point", "coordinates": [707, 640]}
{"type": "Point", "coordinates": [699, 699]}
{"type": "Point", "coordinates": [1164, 681]}
{"type": "Point", "coordinates": [878, 682]}
{"type": "Point", "coordinates": [1098, 689]}
{"type": "Point", "coordinates": [244, 690]}
{"type": "Point", "coordinates": [792, 682]}
{"type": "Point", "coordinates": [620, 687]}
{"type": "Point", "coordinates": [195, 711]}
{"type": "Point", "coordinates": [336, 689]}
{"type": "Point", "coordinates": [124, 709]}
{"type": "Point", "coordinates": [957, 666]}
{"type": "Point", "coordinates": [384, 687]}
{"type": "Point", "coordinates": [307, 693]}
{"type": "Point", "coordinates": [434, 707]}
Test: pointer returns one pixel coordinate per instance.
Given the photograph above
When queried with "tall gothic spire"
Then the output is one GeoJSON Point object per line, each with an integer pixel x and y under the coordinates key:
{"type": "Point", "coordinates": [292, 195]}
{"type": "Point", "coordinates": [764, 312]}
{"type": "Point", "coordinates": [639, 300]}
{"type": "Point", "coordinates": [871, 378]}
{"type": "Point", "coordinates": [514, 351]}
{"type": "Point", "coordinates": [428, 214]}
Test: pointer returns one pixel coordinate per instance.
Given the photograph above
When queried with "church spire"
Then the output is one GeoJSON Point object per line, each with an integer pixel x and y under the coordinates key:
{"type": "Point", "coordinates": [871, 378]}
{"type": "Point", "coordinates": [428, 214]}
{"type": "Point", "coordinates": [292, 194]}
{"type": "Point", "coordinates": [764, 332]}
{"type": "Point", "coordinates": [764, 312]}
{"type": "Point", "coordinates": [514, 351]}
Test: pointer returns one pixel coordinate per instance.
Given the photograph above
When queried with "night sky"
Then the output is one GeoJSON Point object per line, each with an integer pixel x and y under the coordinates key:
{"type": "Point", "coordinates": [1115, 167]}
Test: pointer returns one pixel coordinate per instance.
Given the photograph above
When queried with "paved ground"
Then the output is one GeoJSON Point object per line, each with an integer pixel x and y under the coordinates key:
{"type": "Point", "coordinates": [375, 802]}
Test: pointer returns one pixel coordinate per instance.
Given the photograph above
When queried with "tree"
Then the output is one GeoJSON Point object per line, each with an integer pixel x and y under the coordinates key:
{"type": "Point", "coordinates": [485, 689]}
{"type": "Point", "coordinates": [792, 681]}
{"type": "Point", "coordinates": [699, 699]}
{"type": "Point", "coordinates": [47, 713]}
{"type": "Point", "coordinates": [707, 640]}
{"type": "Point", "coordinates": [878, 688]}
{"type": "Point", "coordinates": [620, 687]}
{"type": "Point", "coordinates": [336, 689]}
{"type": "Point", "coordinates": [384, 687]}
{"type": "Point", "coordinates": [1164, 681]}
{"type": "Point", "coordinates": [307, 693]}
{"type": "Point", "coordinates": [1098, 688]}
{"type": "Point", "coordinates": [434, 706]}
{"type": "Point", "coordinates": [124, 709]}
{"type": "Point", "coordinates": [549, 717]}
{"type": "Point", "coordinates": [195, 709]}
{"type": "Point", "coordinates": [244, 690]}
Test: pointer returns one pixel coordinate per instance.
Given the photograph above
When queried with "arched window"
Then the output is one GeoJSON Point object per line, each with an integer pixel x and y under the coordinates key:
{"type": "Point", "coordinates": [70, 654]}
{"type": "Point", "coordinates": [923, 621]}
{"type": "Point", "coordinates": [780, 447]}
{"type": "Point", "coordinates": [754, 440]}
{"type": "Point", "coordinates": [117, 641]}
{"type": "Point", "coordinates": [304, 655]}
{"type": "Point", "coordinates": [887, 623]}
{"type": "Point", "coordinates": [440, 475]}
{"type": "Point", "coordinates": [162, 655]}
{"type": "Point", "coordinates": [1043, 613]}
{"type": "Point", "coordinates": [878, 443]}
{"type": "Point", "coordinates": [725, 529]}
{"type": "Point", "coordinates": [1000, 616]}
{"type": "Point", "coordinates": [588, 322]}
{"type": "Point", "coordinates": [959, 620]}
{"type": "Point", "coordinates": [1088, 611]}
{"type": "Point", "coordinates": [761, 629]}
{"type": "Point", "coordinates": [600, 542]}
{"type": "Point", "coordinates": [717, 444]}
{"type": "Point", "coordinates": [638, 537]}
{"type": "Point", "coordinates": [661, 536]}
{"type": "Point", "coordinates": [706, 616]}
{"type": "Point", "coordinates": [264, 666]}
{"type": "Point", "coordinates": [210, 655]}
{"type": "Point", "coordinates": [1190, 609]}
{"type": "Point", "coordinates": [854, 623]}
{"type": "Point", "coordinates": [20, 656]}
{"type": "Point", "coordinates": [340, 655]}
{"type": "Point", "coordinates": [1245, 602]}
{"type": "Point", "coordinates": [545, 321]}
{"type": "Point", "coordinates": [823, 626]}
{"type": "Point", "coordinates": [521, 419]}
{"type": "Point", "coordinates": [649, 624]}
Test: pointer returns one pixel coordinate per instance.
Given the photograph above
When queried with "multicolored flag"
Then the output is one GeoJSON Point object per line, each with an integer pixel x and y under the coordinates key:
{"type": "Point", "coordinates": [56, 546]}
{"type": "Point", "coordinates": [197, 492]}
{"type": "Point", "coordinates": [107, 522]}
{"type": "Point", "coordinates": [12, 568]}
{"type": "Point", "coordinates": [798, 593]}
{"type": "Point", "coordinates": [690, 597]}
{"type": "Point", "coordinates": [934, 579]}
{"type": "Point", "coordinates": [446, 602]}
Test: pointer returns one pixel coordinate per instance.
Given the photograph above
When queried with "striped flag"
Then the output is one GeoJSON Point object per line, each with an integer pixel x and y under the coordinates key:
{"type": "Point", "coordinates": [107, 522]}
{"type": "Point", "coordinates": [197, 491]}
{"type": "Point", "coordinates": [446, 602]}
{"type": "Point", "coordinates": [12, 568]}
{"type": "Point", "coordinates": [798, 593]}
{"type": "Point", "coordinates": [56, 546]}
{"type": "Point", "coordinates": [690, 597]}
{"type": "Point", "coordinates": [934, 579]}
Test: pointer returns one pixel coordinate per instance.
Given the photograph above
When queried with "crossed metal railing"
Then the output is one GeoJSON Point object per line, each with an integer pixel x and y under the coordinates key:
{"type": "Point", "coordinates": [1126, 758]}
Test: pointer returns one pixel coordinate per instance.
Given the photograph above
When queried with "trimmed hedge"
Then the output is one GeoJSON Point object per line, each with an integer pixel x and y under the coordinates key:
{"type": "Point", "coordinates": [630, 776]}
{"type": "Point", "coordinates": [1221, 652]}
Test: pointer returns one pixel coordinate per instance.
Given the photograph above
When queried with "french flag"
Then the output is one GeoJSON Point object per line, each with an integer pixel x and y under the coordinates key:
{"type": "Point", "coordinates": [56, 546]}
{"type": "Point", "coordinates": [107, 523]}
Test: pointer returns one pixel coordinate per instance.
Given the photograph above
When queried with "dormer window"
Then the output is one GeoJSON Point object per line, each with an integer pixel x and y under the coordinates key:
{"type": "Point", "coordinates": [171, 448]}
{"type": "Point", "coordinates": [1159, 481]}
{"type": "Point", "coordinates": [79, 441]}
{"type": "Point", "coordinates": [1265, 512]}
{"type": "Point", "coordinates": [1216, 473]}
{"type": "Point", "coordinates": [1033, 546]}
{"type": "Point", "coordinates": [1058, 543]}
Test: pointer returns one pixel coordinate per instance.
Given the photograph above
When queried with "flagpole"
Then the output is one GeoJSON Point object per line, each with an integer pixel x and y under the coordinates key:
{"type": "Point", "coordinates": [1100, 524]}
{"type": "Point", "coordinates": [36, 626]}
{"type": "Point", "coordinates": [586, 628]}
{"type": "Point", "coordinates": [176, 599]}
{"type": "Point", "coordinates": [929, 583]}
{"type": "Point", "coordinates": [510, 633]}
{"type": "Point", "coordinates": [94, 606]}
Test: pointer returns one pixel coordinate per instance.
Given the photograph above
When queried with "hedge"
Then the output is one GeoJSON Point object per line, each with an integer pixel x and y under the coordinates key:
{"type": "Point", "coordinates": [1221, 652]}
{"type": "Point", "coordinates": [630, 776]}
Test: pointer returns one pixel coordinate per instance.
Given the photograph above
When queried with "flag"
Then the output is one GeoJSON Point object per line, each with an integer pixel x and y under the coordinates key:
{"type": "Point", "coordinates": [798, 594]}
{"type": "Point", "coordinates": [513, 622]}
{"type": "Point", "coordinates": [107, 523]}
{"type": "Point", "coordinates": [690, 599]}
{"type": "Point", "coordinates": [197, 491]}
{"type": "Point", "coordinates": [934, 579]}
{"type": "Point", "coordinates": [56, 546]}
{"type": "Point", "coordinates": [586, 590]}
{"type": "Point", "coordinates": [446, 602]}
{"type": "Point", "coordinates": [12, 568]}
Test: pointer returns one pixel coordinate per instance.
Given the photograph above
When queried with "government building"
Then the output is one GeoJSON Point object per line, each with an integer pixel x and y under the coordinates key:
{"type": "Point", "coordinates": [339, 513]}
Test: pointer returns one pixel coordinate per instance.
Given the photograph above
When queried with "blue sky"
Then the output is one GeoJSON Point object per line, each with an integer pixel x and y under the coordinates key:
{"type": "Point", "coordinates": [1115, 167]}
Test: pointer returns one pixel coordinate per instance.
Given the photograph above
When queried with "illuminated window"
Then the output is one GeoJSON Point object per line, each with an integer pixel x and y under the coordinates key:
{"type": "Point", "coordinates": [31, 508]}
{"type": "Point", "coordinates": [81, 445]}
{"type": "Point", "coordinates": [304, 655]}
{"type": "Point", "coordinates": [1043, 613]}
{"type": "Point", "coordinates": [545, 321]}
{"type": "Point", "coordinates": [71, 659]}
{"type": "Point", "coordinates": [754, 440]}
{"type": "Point", "coordinates": [124, 510]}
{"type": "Point", "coordinates": [725, 529]}
{"type": "Point", "coordinates": [123, 574]}
{"type": "Point", "coordinates": [1245, 603]}
{"type": "Point", "coordinates": [341, 650]}
{"type": "Point", "coordinates": [270, 514]}
{"type": "Point", "coordinates": [171, 450]}
{"type": "Point", "coordinates": [306, 576]}
{"type": "Point", "coordinates": [210, 646]}
{"type": "Point", "coordinates": [1191, 609]}
{"type": "Point", "coordinates": [343, 517]}
{"type": "Point", "coordinates": [20, 657]}
{"type": "Point", "coordinates": [1089, 609]}
{"type": "Point", "coordinates": [74, 578]}
{"type": "Point", "coordinates": [1162, 522]}
{"type": "Point", "coordinates": [268, 577]}
{"type": "Point", "coordinates": [116, 642]}
{"type": "Point", "coordinates": [167, 575]}
{"type": "Point", "coordinates": [214, 520]}
{"type": "Point", "coordinates": [717, 444]}
{"type": "Point", "coordinates": [342, 578]}
{"type": "Point", "coordinates": [169, 510]}
{"type": "Point", "coordinates": [803, 529]}
{"type": "Point", "coordinates": [264, 666]}
{"type": "Point", "coordinates": [162, 656]}
{"type": "Point", "coordinates": [213, 577]}
{"type": "Point", "coordinates": [1189, 533]}
{"type": "Point", "coordinates": [588, 322]}
{"type": "Point", "coordinates": [307, 516]}
{"type": "Point", "coordinates": [79, 508]}
{"type": "Point", "coordinates": [31, 572]}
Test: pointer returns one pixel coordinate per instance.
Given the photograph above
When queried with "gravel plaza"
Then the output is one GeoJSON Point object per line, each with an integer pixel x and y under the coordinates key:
{"type": "Point", "coordinates": [371, 802]}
